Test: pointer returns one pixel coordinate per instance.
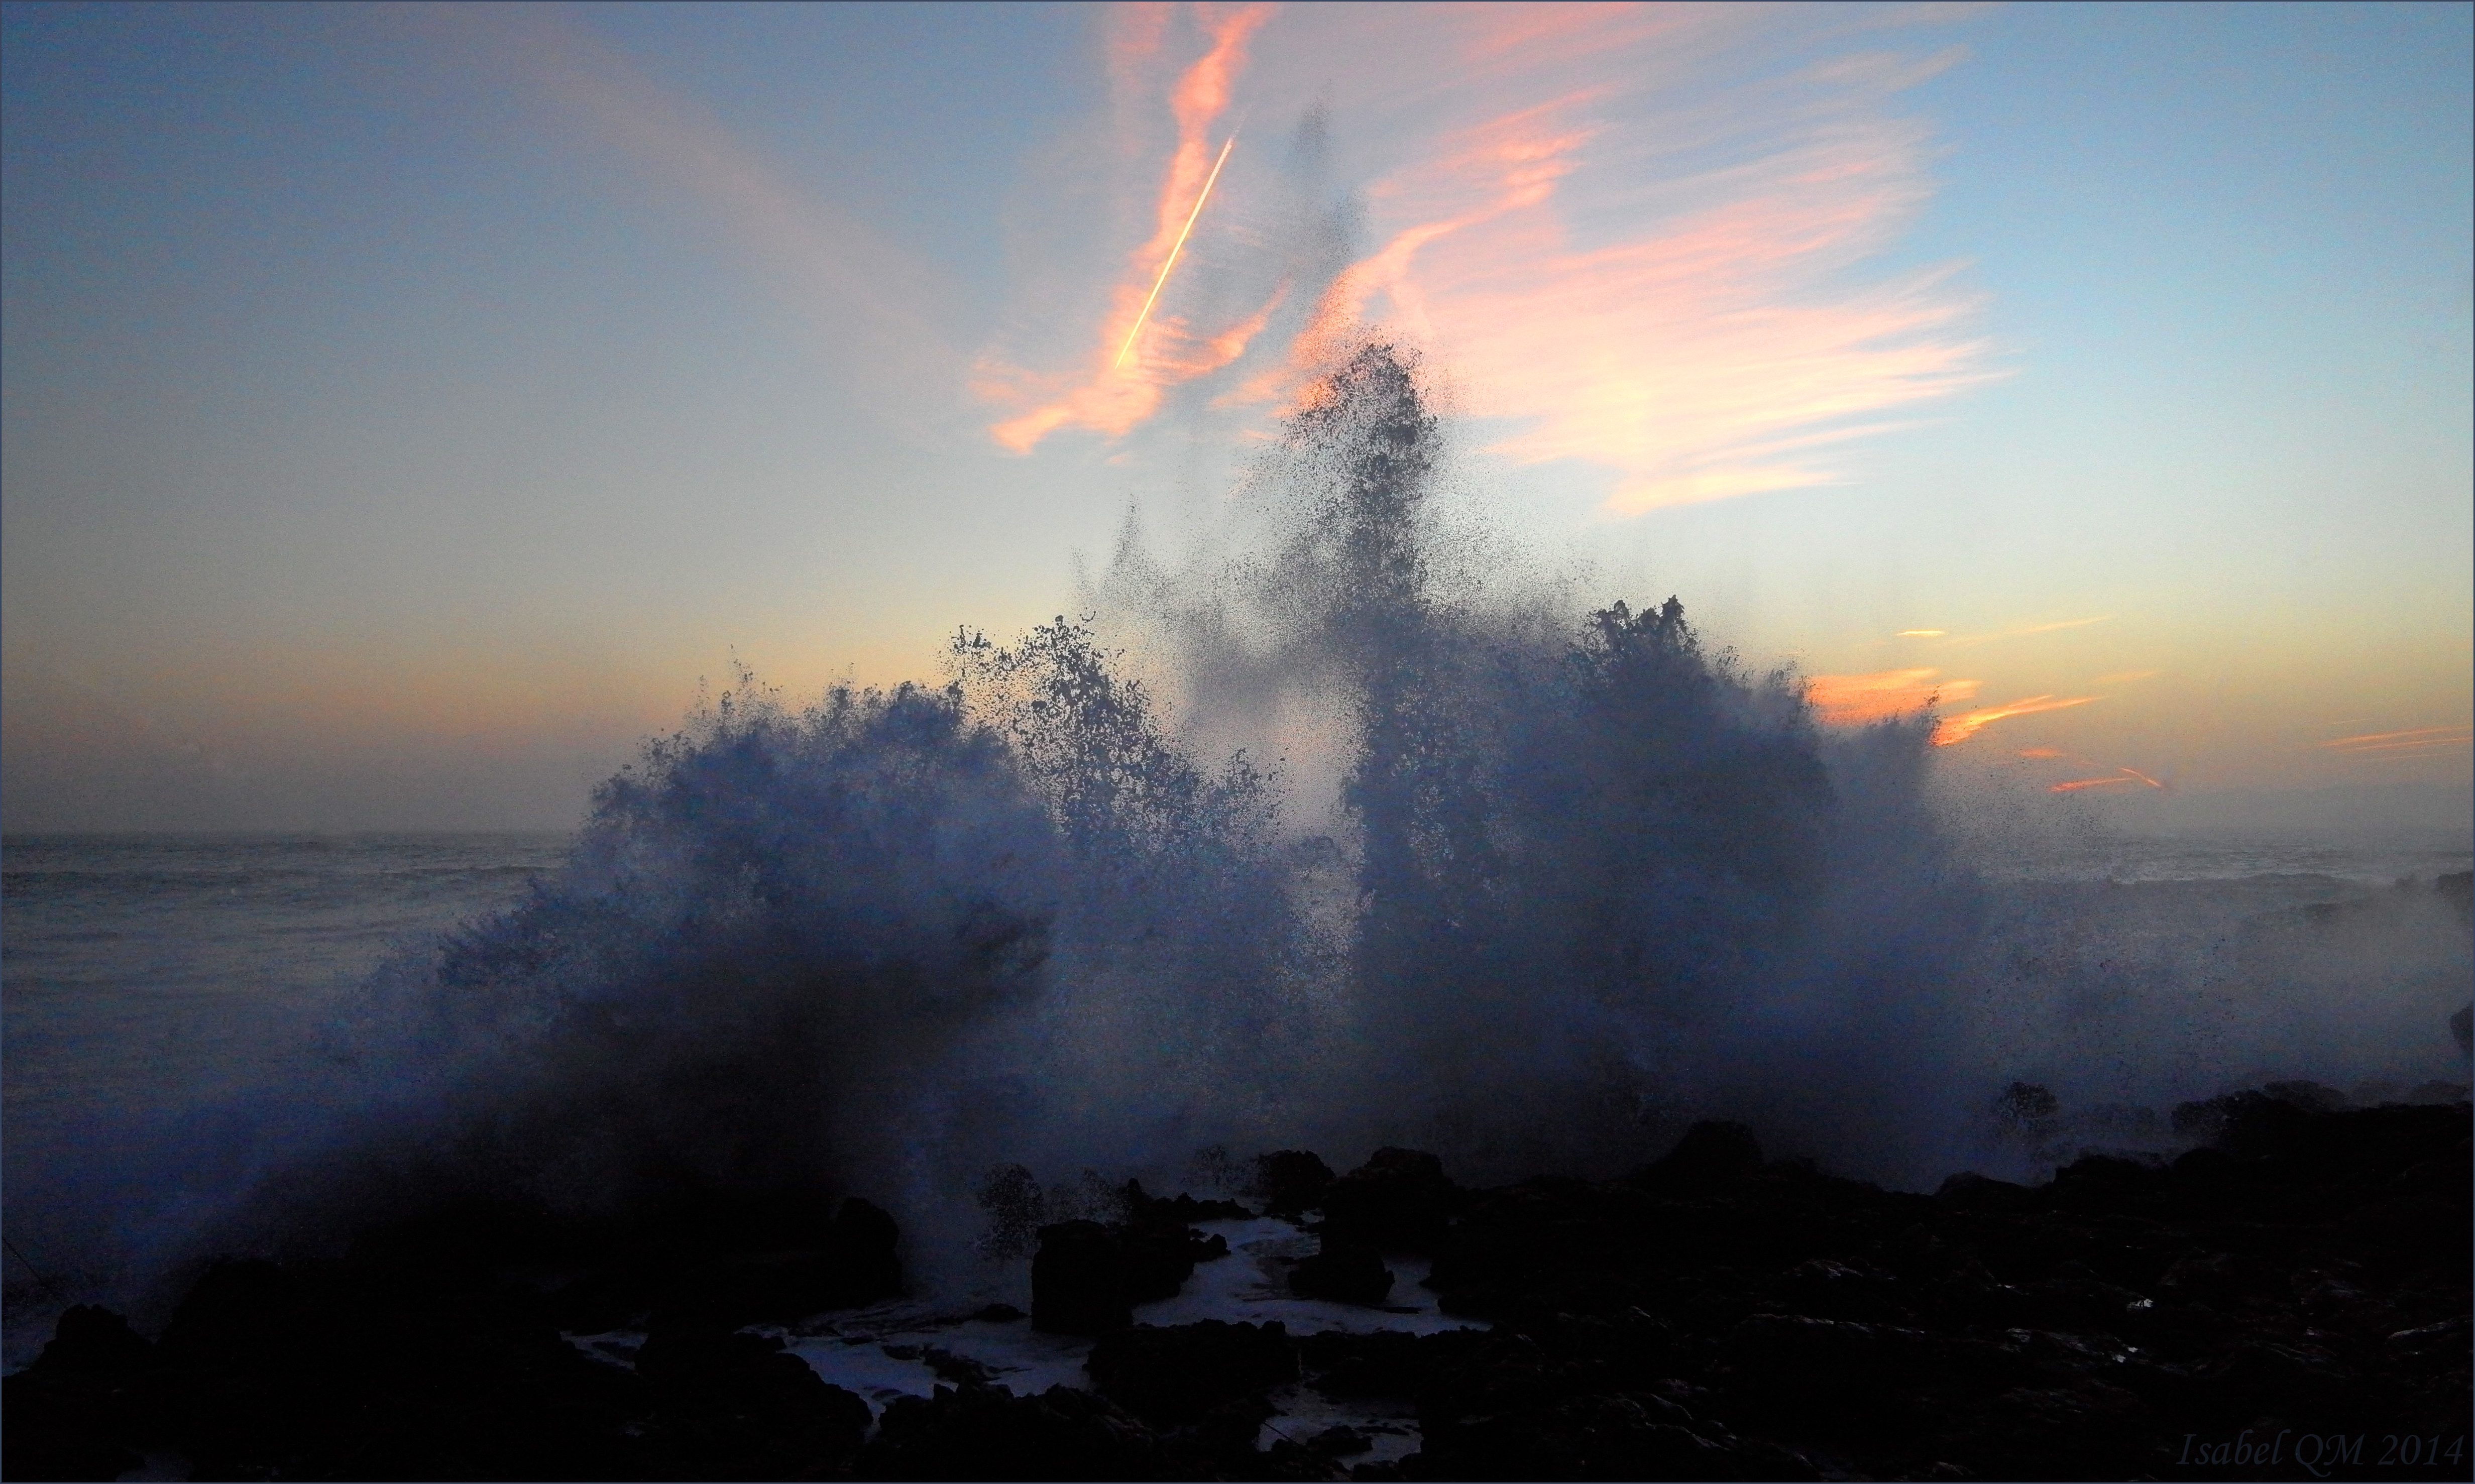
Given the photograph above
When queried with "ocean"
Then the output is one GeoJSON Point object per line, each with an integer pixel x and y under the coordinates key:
{"type": "Point", "coordinates": [151, 982]}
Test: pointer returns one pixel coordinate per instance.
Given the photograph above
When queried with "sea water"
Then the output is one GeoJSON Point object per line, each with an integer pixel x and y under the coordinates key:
{"type": "Point", "coordinates": [153, 981]}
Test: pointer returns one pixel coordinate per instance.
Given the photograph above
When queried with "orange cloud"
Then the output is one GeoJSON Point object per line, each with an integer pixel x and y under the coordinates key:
{"type": "Point", "coordinates": [1968, 723]}
{"type": "Point", "coordinates": [2126, 677]}
{"type": "Point", "coordinates": [1921, 633]}
{"type": "Point", "coordinates": [1853, 701]}
{"type": "Point", "coordinates": [2041, 752]}
{"type": "Point", "coordinates": [1132, 362]}
{"type": "Point", "coordinates": [2420, 742]}
{"type": "Point", "coordinates": [2121, 775]}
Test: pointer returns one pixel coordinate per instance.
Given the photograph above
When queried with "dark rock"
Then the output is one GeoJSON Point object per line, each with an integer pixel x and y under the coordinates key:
{"type": "Point", "coordinates": [999, 1314]}
{"type": "Point", "coordinates": [56, 1431]}
{"type": "Point", "coordinates": [960, 1370]}
{"type": "Point", "coordinates": [860, 1247]}
{"type": "Point", "coordinates": [1181, 1211]}
{"type": "Point", "coordinates": [1078, 1280]}
{"type": "Point", "coordinates": [1158, 1260]}
{"type": "Point", "coordinates": [1969, 1191]}
{"type": "Point", "coordinates": [2312, 1097]}
{"type": "Point", "coordinates": [1399, 1199]}
{"type": "Point", "coordinates": [2106, 1182]}
{"type": "Point", "coordinates": [983, 1434]}
{"type": "Point", "coordinates": [1709, 1158]}
{"type": "Point", "coordinates": [2449, 1340]}
{"type": "Point", "coordinates": [1344, 1273]}
{"type": "Point", "coordinates": [92, 1343]}
{"type": "Point", "coordinates": [1800, 1361]}
{"type": "Point", "coordinates": [1387, 1363]}
{"type": "Point", "coordinates": [1180, 1374]}
{"type": "Point", "coordinates": [1290, 1182]}
{"type": "Point", "coordinates": [741, 1407]}
{"type": "Point", "coordinates": [1088, 1276]}
{"type": "Point", "coordinates": [1829, 1289]}
{"type": "Point", "coordinates": [1589, 1437]}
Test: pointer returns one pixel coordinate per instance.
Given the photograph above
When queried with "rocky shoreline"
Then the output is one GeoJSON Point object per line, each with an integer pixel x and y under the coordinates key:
{"type": "Point", "coordinates": [2289, 1300]}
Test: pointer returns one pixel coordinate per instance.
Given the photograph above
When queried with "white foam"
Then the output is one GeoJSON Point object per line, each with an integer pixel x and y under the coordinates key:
{"type": "Point", "coordinates": [881, 1353]}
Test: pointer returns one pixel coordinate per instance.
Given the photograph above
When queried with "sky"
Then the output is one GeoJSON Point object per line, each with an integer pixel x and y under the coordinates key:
{"type": "Point", "coordinates": [404, 409]}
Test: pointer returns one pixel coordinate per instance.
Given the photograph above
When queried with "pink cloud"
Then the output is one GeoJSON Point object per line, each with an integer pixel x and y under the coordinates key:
{"type": "Point", "coordinates": [1627, 231]}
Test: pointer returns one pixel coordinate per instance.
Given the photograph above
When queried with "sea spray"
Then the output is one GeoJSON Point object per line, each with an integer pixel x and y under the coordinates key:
{"type": "Point", "coordinates": [1331, 837]}
{"type": "Point", "coordinates": [1578, 883]}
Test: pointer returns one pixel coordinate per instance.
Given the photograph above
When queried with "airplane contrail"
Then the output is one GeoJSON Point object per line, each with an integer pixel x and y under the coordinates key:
{"type": "Point", "coordinates": [1180, 247]}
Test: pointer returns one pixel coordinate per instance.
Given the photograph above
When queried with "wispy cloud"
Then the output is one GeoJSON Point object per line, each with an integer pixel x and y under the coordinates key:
{"type": "Point", "coordinates": [2126, 777]}
{"type": "Point", "coordinates": [1968, 723]}
{"type": "Point", "coordinates": [1633, 234]}
{"type": "Point", "coordinates": [2419, 742]}
{"type": "Point", "coordinates": [858, 290]}
{"type": "Point", "coordinates": [1853, 701]}
{"type": "Point", "coordinates": [1135, 356]}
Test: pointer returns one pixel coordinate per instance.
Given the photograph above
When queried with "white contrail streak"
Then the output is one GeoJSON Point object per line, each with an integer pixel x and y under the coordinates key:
{"type": "Point", "coordinates": [1180, 247]}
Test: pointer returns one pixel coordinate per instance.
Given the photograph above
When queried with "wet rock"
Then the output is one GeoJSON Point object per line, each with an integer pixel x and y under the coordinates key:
{"type": "Point", "coordinates": [1387, 1363]}
{"type": "Point", "coordinates": [1290, 1182]}
{"type": "Point", "coordinates": [988, 1433]}
{"type": "Point", "coordinates": [1183, 1373]}
{"type": "Point", "coordinates": [1595, 1436]}
{"type": "Point", "coordinates": [1344, 1272]}
{"type": "Point", "coordinates": [1088, 1276]}
{"type": "Point", "coordinates": [733, 1405]}
{"type": "Point", "coordinates": [1800, 1361]}
{"type": "Point", "coordinates": [1078, 1280]}
{"type": "Point", "coordinates": [2449, 1340]}
{"type": "Point", "coordinates": [1399, 1199]}
{"type": "Point", "coordinates": [1829, 1289]}
{"type": "Point", "coordinates": [1709, 1158]}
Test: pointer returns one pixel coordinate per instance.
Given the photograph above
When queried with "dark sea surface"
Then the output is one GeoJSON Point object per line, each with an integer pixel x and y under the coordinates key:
{"type": "Point", "coordinates": [153, 985]}
{"type": "Point", "coordinates": [148, 980]}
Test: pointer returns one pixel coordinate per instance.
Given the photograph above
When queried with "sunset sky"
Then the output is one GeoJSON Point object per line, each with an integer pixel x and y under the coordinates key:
{"type": "Point", "coordinates": [406, 405]}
